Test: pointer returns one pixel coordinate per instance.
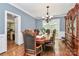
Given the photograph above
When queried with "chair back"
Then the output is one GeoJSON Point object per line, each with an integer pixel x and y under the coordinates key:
{"type": "Point", "coordinates": [53, 35]}
{"type": "Point", "coordinates": [29, 41]}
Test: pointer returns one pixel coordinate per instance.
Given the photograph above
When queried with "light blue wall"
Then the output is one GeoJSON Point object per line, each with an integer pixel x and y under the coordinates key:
{"type": "Point", "coordinates": [27, 20]}
{"type": "Point", "coordinates": [39, 24]}
{"type": "Point", "coordinates": [62, 24]}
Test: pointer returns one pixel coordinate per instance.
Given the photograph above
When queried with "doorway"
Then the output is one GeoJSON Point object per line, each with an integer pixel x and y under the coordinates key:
{"type": "Point", "coordinates": [10, 31]}
{"type": "Point", "coordinates": [13, 35]}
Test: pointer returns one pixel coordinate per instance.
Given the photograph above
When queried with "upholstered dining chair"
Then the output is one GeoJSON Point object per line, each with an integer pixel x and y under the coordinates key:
{"type": "Point", "coordinates": [31, 49]}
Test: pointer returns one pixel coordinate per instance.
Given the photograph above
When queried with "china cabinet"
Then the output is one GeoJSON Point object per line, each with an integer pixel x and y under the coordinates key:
{"type": "Point", "coordinates": [72, 30]}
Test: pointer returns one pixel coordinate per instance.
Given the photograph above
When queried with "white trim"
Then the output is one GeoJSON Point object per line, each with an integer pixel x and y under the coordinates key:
{"type": "Point", "coordinates": [22, 9]}
{"type": "Point", "coordinates": [6, 19]}
{"type": "Point", "coordinates": [2, 44]}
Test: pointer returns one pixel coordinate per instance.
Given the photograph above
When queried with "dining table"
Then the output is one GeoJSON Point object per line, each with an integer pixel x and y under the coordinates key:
{"type": "Point", "coordinates": [40, 40]}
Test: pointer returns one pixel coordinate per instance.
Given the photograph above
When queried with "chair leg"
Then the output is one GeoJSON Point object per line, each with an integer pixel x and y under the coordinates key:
{"type": "Point", "coordinates": [43, 46]}
{"type": "Point", "coordinates": [42, 53]}
{"type": "Point", "coordinates": [24, 54]}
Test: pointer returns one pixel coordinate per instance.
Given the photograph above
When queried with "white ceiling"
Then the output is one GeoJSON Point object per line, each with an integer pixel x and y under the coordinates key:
{"type": "Point", "coordinates": [39, 9]}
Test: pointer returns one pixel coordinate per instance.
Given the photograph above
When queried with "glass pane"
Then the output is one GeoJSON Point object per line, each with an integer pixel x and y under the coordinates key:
{"type": "Point", "coordinates": [75, 26]}
{"type": "Point", "coordinates": [70, 26]}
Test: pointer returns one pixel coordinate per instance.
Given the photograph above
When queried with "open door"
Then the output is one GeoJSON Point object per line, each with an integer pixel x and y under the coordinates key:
{"type": "Point", "coordinates": [18, 33]}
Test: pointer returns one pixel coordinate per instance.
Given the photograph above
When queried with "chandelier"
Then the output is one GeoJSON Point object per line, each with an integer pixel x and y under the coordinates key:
{"type": "Point", "coordinates": [47, 18]}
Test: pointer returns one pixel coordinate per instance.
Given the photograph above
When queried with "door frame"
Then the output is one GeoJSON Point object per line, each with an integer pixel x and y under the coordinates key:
{"type": "Point", "coordinates": [19, 27]}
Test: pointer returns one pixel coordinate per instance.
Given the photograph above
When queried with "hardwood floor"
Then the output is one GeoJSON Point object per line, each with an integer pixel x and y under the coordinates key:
{"type": "Point", "coordinates": [17, 51]}
{"type": "Point", "coordinates": [13, 49]}
{"type": "Point", "coordinates": [11, 44]}
{"type": "Point", "coordinates": [60, 50]}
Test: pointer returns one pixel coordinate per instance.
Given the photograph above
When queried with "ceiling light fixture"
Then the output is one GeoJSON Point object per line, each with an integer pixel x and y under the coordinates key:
{"type": "Point", "coordinates": [47, 18]}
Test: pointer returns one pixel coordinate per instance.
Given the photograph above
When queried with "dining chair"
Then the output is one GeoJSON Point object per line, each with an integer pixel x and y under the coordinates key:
{"type": "Point", "coordinates": [31, 49]}
{"type": "Point", "coordinates": [52, 40]}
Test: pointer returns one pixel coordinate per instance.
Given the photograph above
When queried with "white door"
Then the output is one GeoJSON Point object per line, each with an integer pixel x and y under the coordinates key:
{"type": "Point", "coordinates": [18, 34]}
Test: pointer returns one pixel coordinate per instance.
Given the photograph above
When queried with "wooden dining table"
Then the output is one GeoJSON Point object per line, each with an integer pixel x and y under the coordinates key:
{"type": "Point", "coordinates": [40, 40]}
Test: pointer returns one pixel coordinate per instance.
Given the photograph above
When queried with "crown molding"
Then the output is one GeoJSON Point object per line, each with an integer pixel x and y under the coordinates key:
{"type": "Point", "coordinates": [21, 9]}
